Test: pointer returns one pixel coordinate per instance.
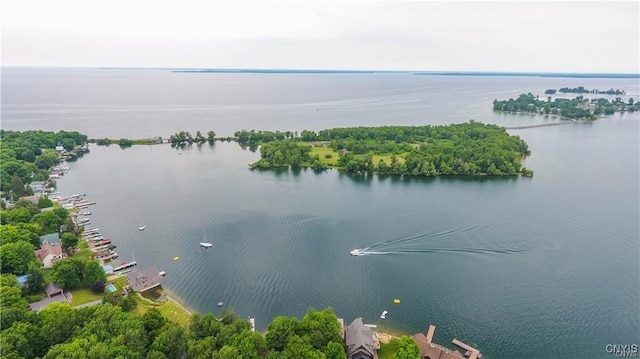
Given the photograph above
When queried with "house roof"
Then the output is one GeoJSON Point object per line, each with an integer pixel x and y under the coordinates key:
{"type": "Point", "coordinates": [434, 351]}
{"type": "Point", "coordinates": [141, 280]}
{"type": "Point", "coordinates": [53, 289]}
{"type": "Point", "coordinates": [50, 238]}
{"type": "Point", "coordinates": [49, 249]}
{"type": "Point", "coordinates": [359, 337]}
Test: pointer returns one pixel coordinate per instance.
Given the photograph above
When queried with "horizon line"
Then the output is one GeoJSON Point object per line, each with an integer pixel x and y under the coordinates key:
{"type": "Point", "coordinates": [353, 71]}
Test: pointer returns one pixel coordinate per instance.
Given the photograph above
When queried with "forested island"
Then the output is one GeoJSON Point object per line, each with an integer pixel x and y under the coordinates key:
{"type": "Point", "coordinates": [581, 89]}
{"type": "Point", "coordinates": [579, 108]}
{"type": "Point", "coordinates": [467, 149]}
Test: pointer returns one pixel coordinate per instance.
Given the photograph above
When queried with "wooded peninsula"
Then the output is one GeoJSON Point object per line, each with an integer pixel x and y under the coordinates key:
{"type": "Point", "coordinates": [467, 149]}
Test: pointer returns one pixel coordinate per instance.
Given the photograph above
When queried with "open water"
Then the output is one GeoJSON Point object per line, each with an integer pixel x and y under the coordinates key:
{"type": "Point", "coordinates": [541, 267]}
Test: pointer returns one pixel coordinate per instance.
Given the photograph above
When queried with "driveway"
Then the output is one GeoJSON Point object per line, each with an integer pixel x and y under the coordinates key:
{"type": "Point", "coordinates": [38, 306]}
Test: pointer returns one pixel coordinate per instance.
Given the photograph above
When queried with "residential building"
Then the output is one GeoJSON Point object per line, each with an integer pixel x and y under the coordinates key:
{"type": "Point", "coordinates": [361, 341]}
{"type": "Point", "coordinates": [48, 254]}
{"type": "Point", "coordinates": [145, 279]}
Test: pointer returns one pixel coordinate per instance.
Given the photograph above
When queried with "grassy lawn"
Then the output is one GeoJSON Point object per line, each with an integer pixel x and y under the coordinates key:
{"type": "Point", "coordinates": [171, 310]}
{"type": "Point", "coordinates": [387, 350]}
{"type": "Point", "coordinates": [387, 158]}
{"type": "Point", "coordinates": [322, 151]}
{"type": "Point", "coordinates": [82, 296]}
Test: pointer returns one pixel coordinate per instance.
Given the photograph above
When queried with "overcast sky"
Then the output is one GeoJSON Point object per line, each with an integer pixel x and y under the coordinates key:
{"type": "Point", "coordinates": [370, 35]}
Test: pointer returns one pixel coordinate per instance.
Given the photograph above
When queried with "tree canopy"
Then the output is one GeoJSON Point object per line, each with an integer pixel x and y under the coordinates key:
{"type": "Point", "coordinates": [466, 149]}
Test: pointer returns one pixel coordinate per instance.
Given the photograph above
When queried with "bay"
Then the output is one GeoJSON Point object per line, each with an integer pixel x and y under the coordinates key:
{"type": "Point", "coordinates": [541, 267]}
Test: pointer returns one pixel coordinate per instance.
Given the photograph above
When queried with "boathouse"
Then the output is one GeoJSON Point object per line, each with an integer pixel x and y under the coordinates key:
{"type": "Point", "coordinates": [145, 279]}
{"type": "Point", "coordinates": [429, 350]}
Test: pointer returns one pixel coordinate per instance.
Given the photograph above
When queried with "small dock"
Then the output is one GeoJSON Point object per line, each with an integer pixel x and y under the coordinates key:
{"type": "Point", "coordinates": [474, 352]}
{"type": "Point", "coordinates": [252, 321]}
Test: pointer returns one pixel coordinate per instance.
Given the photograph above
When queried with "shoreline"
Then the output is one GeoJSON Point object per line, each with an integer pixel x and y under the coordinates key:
{"type": "Point", "coordinates": [171, 298]}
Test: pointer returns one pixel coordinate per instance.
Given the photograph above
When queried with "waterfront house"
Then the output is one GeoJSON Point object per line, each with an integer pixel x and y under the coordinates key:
{"type": "Point", "coordinates": [429, 350]}
{"type": "Point", "coordinates": [145, 279]}
{"type": "Point", "coordinates": [38, 187]}
{"type": "Point", "coordinates": [360, 341]}
{"type": "Point", "coordinates": [49, 254]}
{"type": "Point", "coordinates": [51, 238]}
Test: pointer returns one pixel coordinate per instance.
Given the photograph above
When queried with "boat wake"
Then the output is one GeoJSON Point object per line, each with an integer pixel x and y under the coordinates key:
{"type": "Point", "coordinates": [433, 243]}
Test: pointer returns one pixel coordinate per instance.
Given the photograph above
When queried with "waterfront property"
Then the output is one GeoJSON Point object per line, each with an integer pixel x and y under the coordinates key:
{"type": "Point", "coordinates": [361, 341]}
{"type": "Point", "coordinates": [145, 279]}
{"type": "Point", "coordinates": [51, 238]}
{"type": "Point", "coordinates": [430, 350]}
{"type": "Point", "coordinates": [49, 254]}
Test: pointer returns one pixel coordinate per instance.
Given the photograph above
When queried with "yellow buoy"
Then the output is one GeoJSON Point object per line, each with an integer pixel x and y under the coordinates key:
{"type": "Point", "coordinates": [396, 301]}
{"type": "Point", "coordinates": [176, 258]}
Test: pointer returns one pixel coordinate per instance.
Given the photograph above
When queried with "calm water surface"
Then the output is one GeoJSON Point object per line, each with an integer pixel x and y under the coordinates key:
{"type": "Point", "coordinates": [542, 267]}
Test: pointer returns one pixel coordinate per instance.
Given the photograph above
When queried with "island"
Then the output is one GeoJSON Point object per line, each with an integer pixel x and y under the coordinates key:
{"type": "Point", "coordinates": [466, 149]}
{"type": "Point", "coordinates": [582, 89]}
{"type": "Point", "coordinates": [578, 108]}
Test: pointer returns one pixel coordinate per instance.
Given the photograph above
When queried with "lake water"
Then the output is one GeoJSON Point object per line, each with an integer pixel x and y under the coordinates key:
{"type": "Point", "coordinates": [541, 267]}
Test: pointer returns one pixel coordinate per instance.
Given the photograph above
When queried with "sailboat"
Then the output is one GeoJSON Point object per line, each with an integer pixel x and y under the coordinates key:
{"type": "Point", "coordinates": [205, 244]}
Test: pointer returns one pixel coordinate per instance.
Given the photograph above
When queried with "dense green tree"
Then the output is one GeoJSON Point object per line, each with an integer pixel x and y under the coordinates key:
{"type": "Point", "coordinates": [68, 273]}
{"type": "Point", "coordinates": [279, 331]}
{"type": "Point", "coordinates": [201, 348]}
{"type": "Point", "coordinates": [299, 348]}
{"type": "Point", "coordinates": [35, 279]}
{"type": "Point", "coordinates": [172, 342]}
{"type": "Point", "coordinates": [32, 207]}
{"type": "Point", "coordinates": [228, 352]}
{"type": "Point", "coordinates": [16, 257]}
{"type": "Point", "coordinates": [49, 221]}
{"type": "Point", "coordinates": [69, 240]}
{"type": "Point", "coordinates": [204, 326]}
{"type": "Point", "coordinates": [47, 160]}
{"type": "Point", "coordinates": [14, 306]}
{"type": "Point", "coordinates": [10, 233]}
{"type": "Point", "coordinates": [93, 272]}
{"type": "Point", "coordinates": [58, 322]}
{"type": "Point", "coordinates": [322, 327]}
{"type": "Point", "coordinates": [17, 187]}
{"type": "Point", "coordinates": [44, 202]}
{"type": "Point", "coordinates": [15, 215]}
{"type": "Point", "coordinates": [250, 345]}
{"type": "Point", "coordinates": [113, 326]}
{"type": "Point", "coordinates": [153, 322]}
{"type": "Point", "coordinates": [15, 341]}
{"type": "Point", "coordinates": [408, 349]}
{"type": "Point", "coordinates": [335, 350]}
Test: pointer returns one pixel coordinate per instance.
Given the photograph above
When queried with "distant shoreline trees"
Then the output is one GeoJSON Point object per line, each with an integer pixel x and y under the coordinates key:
{"type": "Point", "coordinates": [577, 108]}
